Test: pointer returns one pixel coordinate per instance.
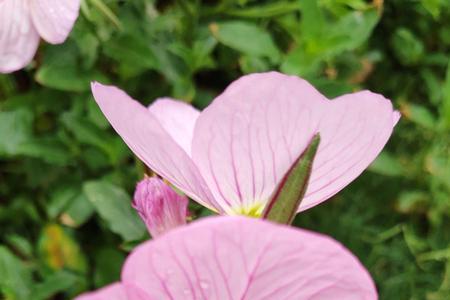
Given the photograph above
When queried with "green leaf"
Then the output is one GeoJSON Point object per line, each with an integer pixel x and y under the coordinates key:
{"type": "Point", "coordinates": [88, 133]}
{"type": "Point", "coordinates": [88, 43]}
{"type": "Point", "coordinates": [15, 278]}
{"type": "Point", "coordinates": [262, 10]}
{"type": "Point", "coordinates": [252, 64]}
{"type": "Point", "coordinates": [109, 14]}
{"type": "Point", "coordinates": [445, 114]}
{"type": "Point", "coordinates": [351, 31]}
{"type": "Point", "coordinates": [96, 116]}
{"type": "Point", "coordinates": [330, 38]}
{"type": "Point", "coordinates": [312, 21]}
{"type": "Point", "coordinates": [433, 82]}
{"type": "Point", "coordinates": [114, 206]}
{"type": "Point", "coordinates": [408, 48]}
{"type": "Point", "coordinates": [50, 150]}
{"type": "Point", "coordinates": [60, 199]}
{"type": "Point", "coordinates": [132, 53]}
{"type": "Point", "coordinates": [108, 264]}
{"type": "Point", "coordinates": [15, 129]}
{"type": "Point", "coordinates": [420, 115]}
{"type": "Point", "coordinates": [299, 62]}
{"type": "Point", "coordinates": [412, 202]}
{"type": "Point", "coordinates": [444, 289]}
{"type": "Point", "coordinates": [321, 40]}
{"type": "Point", "coordinates": [247, 38]}
{"type": "Point", "coordinates": [55, 283]}
{"type": "Point", "coordinates": [61, 70]}
{"type": "Point", "coordinates": [283, 205]}
{"type": "Point", "coordinates": [78, 212]}
{"type": "Point", "coordinates": [386, 164]}
{"type": "Point", "coordinates": [433, 7]}
{"type": "Point", "coordinates": [20, 245]}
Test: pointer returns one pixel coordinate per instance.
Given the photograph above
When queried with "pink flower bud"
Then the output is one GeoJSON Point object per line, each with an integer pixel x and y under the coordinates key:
{"type": "Point", "coordinates": [159, 206]}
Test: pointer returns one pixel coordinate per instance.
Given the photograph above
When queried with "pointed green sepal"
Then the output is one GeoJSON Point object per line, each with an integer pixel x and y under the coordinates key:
{"type": "Point", "coordinates": [286, 199]}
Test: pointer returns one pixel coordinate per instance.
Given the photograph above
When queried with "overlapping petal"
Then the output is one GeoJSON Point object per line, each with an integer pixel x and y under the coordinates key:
{"type": "Point", "coordinates": [178, 119]}
{"type": "Point", "coordinates": [18, 37]}
{"type": "Point", "coordinates": [353, 130]}
{"type": "Point", "coordinates": [143, 133]}
{"type": "Point", "coordinates": [229, 258]}
{"type": "Point", "coordinates": [247, 139]}
{"type": "Point", "coordinates": [54, 19]}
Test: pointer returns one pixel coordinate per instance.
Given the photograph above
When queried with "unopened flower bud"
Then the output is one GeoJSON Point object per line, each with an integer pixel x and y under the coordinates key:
{"type": "Point", "coordinates": [159, 206]}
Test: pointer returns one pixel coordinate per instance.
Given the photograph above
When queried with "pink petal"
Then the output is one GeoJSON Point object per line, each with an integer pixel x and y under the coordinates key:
{"type": "Point", "coordinates": [353, 132]}
{"type": "Point", "coordinates": [113, 291]}
{"type": "Point", "coordinates": [159, 206]}
{"type": "Point", "coordinates": [142, 132]}
{"type": "Point", "coordinates": [178, 119]}
{"type": "Point", "coordinates": [18, 38]}
{"type": "Point", "coordinates": [247, 139]}
{"type": "Point", "coordinates": [54, 19]}
{"type": "Point", "coordinates": [229, 258]}
{"type": "Point", "coordinates": [266, 121]}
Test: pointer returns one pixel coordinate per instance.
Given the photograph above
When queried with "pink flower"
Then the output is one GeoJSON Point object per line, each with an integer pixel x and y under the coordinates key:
{"type": "Point", "coordinates": [159, 206]}
{"type": "Point", "coordinates": [22, 22]}
{"type": "Point", "coordinates": [231, 156]}
{"type": "Point", "coordinates": [240, 258]}
{"type": "Point", "coordinates": [113, 291]}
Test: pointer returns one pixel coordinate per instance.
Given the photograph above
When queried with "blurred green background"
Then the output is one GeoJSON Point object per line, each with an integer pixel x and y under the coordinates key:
{"type": "Point", "coordinates": [66, 178]}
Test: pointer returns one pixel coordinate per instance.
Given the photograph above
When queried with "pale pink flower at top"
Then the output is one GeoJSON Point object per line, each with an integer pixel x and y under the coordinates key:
{"type": "Point", "coordinates": [225, 257]}
{"type": "Point", "coordinates": [23, 22]}
{"type": "Point", "coordinates": [231, 156]}
{"type": "Point", "coordinates": [159, 206]}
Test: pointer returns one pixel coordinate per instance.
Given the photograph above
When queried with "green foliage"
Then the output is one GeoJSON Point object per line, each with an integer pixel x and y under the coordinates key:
{"type": "Point", "coordinates": [246, 38]}
{"type": "Point", "coordinates": [66, 178]}
{"type": "Point", "coordinates": [15, 277]}
{"type": "Point", "coordinates": [113, 205]}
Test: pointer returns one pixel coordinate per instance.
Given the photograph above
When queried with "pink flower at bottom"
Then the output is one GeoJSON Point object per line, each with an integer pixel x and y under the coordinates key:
{"type": "Point", "coordinates": [238, 258]}
{"type": "Point", "coordinates": [113, 291]}
{"type": "Point", "coordinates": [23, 22]}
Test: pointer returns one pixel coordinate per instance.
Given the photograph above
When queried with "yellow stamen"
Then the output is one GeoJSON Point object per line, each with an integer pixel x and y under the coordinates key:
{"type": "Point", "coordinates": [253, 210]}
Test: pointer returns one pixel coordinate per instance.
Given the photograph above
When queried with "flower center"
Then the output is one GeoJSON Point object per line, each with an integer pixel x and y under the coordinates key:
{"type": "Point", "coordinates": [253, 210]}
